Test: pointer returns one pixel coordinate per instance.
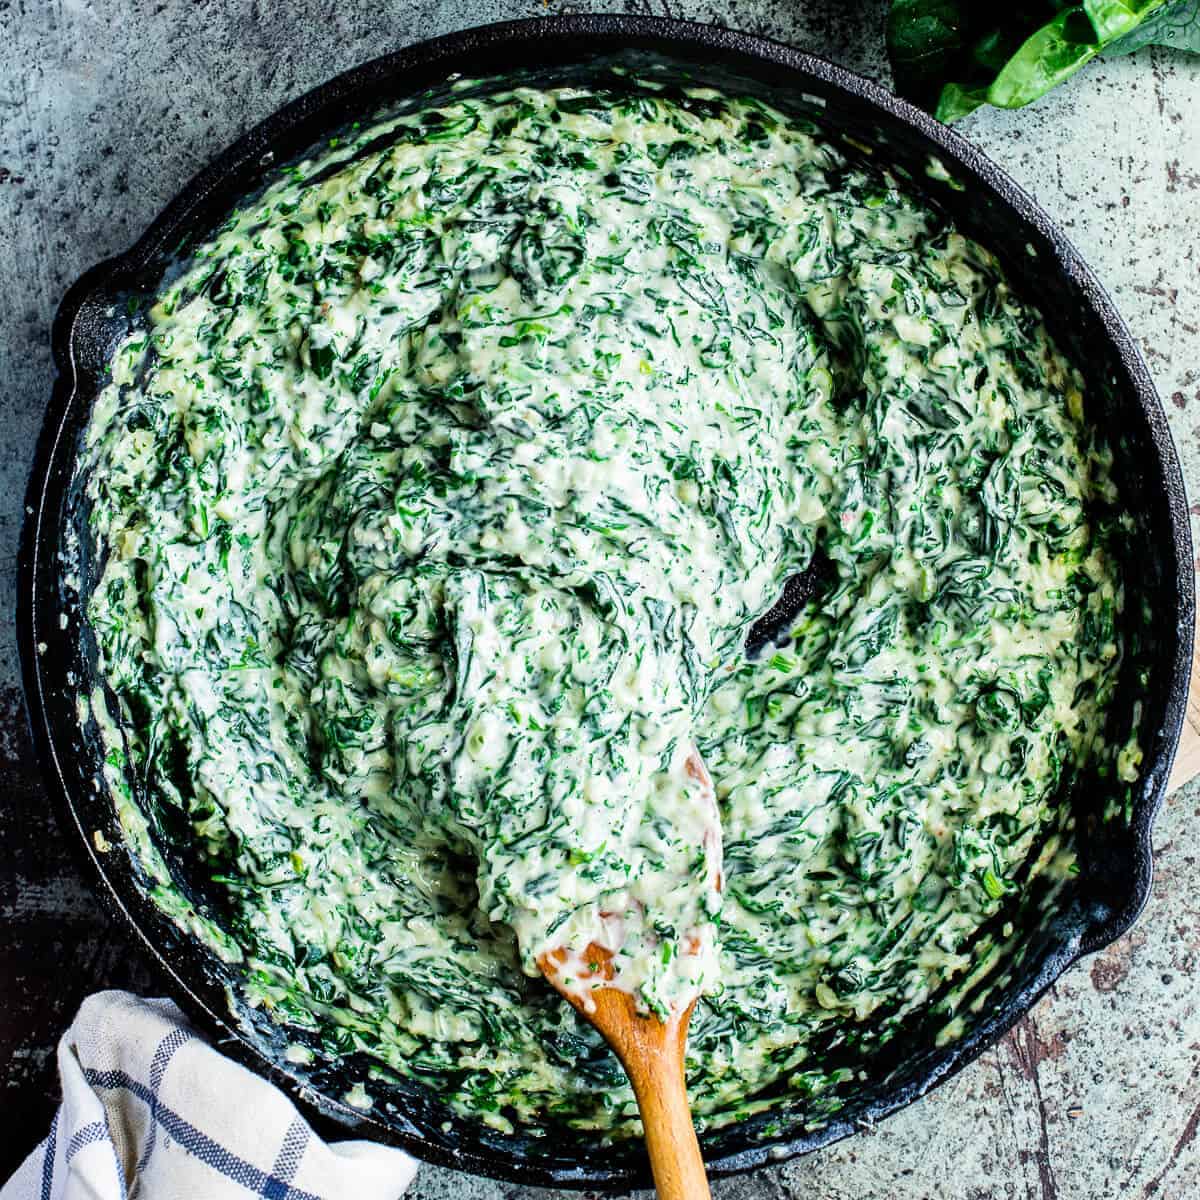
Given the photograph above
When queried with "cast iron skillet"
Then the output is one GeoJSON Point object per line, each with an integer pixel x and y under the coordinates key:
{"type": "Point", "coordinates": [1114, 820]}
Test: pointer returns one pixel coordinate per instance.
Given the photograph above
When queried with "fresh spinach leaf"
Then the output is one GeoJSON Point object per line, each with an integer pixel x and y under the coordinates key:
{"type": "Point", "coordinates": [951, 56]}
{"type": "Point", "coordinates": [1176, 25]}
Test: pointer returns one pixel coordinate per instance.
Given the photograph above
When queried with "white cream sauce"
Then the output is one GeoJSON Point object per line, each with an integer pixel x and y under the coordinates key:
{"type": "Point", "coordinates": [436, 501]}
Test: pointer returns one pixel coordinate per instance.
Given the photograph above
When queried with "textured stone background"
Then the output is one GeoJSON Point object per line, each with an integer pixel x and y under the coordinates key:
{"type": "Point", "coordinates": [108, 107]}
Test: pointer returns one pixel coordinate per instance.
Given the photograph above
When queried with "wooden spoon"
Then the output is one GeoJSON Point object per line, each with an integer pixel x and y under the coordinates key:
{"type": "Point", "coordinates": [650, 1050]}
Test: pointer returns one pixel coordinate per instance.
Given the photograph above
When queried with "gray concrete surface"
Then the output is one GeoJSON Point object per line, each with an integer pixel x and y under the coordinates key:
{"type": "Point", "coordinates": [108, 106]}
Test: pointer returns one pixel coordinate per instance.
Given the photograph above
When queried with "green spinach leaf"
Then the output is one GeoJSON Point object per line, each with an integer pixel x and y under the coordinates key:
{"type": "Point", "coordinates": [951, 56]}
{"type": "Point", "coordinates": [1176, 25]}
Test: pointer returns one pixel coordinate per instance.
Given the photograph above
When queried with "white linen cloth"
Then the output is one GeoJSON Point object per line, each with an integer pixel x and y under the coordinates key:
{"type": "Point", "coordinates": [150, 1111]}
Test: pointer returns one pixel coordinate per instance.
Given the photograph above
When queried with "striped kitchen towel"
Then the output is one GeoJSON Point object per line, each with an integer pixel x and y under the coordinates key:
{"type": "Point", "coordinates": [150, 1111]}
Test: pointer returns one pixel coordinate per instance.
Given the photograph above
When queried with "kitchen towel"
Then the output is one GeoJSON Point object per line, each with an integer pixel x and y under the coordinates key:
{"type": "Point", "coordinates": [150, 1111]}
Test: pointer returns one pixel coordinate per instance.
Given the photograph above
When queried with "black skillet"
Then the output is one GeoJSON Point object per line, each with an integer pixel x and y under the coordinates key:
{"type": "Point", "coordinates": [1114, 823]}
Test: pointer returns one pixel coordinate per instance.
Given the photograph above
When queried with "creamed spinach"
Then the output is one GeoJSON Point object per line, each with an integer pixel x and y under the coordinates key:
{"type": "Point", "coordinates": [435, 499]}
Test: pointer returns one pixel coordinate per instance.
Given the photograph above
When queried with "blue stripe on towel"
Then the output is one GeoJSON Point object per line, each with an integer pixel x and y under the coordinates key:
{"type": "Point", "coordinates": [201, 1145]}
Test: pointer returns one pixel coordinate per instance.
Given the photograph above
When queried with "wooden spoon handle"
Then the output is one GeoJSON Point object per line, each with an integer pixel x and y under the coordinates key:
{"type": "Point", "coordinates": [671, 1141]}
{"type": "Point", "coordinates": [652, 1053]}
